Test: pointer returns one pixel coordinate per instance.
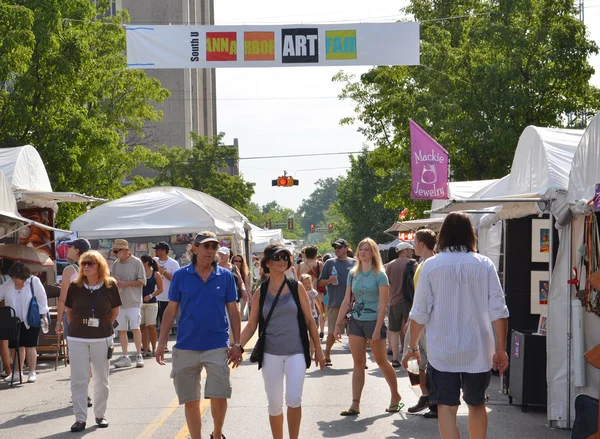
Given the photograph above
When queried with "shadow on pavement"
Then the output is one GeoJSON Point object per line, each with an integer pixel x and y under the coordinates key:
{"type": "Point", "coordinates": [347, 425]}
{"type": "Point", "coordinates": [38, 417]}
{"type": "Point", "coordinates": [68, 433]}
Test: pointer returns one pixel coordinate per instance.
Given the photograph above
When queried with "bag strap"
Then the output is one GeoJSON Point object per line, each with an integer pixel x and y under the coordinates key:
{"type": "Point", "coordinates": [274, 303]}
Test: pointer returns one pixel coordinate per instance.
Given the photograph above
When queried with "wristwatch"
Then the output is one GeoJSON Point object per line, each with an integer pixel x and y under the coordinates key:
{"type": "Point", "coordinates": [238, 345]}
{"type": "Point", "coordinates": [413, 349]}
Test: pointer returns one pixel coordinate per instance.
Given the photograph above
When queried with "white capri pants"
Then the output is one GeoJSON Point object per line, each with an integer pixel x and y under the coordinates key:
{"type": "Point", "coordinates": [274, 368]}
{"type": "Point", "coordinates": [82, 354]}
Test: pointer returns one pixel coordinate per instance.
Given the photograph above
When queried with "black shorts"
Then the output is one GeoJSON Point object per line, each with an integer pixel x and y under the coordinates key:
{"type": "Point", "coordinates": [27, 338]}
{"type": "Point", "coordinates": [444, 387]}
{"type": "Point", "coordinates": [162, 305]}
{"type": "Point", "coordinates": [398, 316]}
{"type": "Point", "coordinates": [365, 329]}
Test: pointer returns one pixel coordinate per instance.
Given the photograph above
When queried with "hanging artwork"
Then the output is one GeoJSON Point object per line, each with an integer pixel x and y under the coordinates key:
{"type": "Point", "coordinates": [540, 288]}
{"type": "Point", "coordinates": [540, 240]}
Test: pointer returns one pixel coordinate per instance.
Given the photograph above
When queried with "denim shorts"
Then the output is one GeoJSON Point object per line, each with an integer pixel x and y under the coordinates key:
{"type": "Point", "coordinates": [445, 387]}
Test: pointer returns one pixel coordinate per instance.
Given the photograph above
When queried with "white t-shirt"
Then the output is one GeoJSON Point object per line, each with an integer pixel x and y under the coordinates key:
{"type": "Point", "coordinates": [171, 266]}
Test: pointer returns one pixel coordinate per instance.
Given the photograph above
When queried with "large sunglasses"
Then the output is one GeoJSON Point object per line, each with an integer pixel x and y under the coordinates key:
{"type": "Point", "coordinates": [207, 245]}
{"type": "Point", "coordinates": [280, 257]}
{"type": "Point", "coordinates": [116, 252]}
{"type": "Point", "coordinates": [88, 263]}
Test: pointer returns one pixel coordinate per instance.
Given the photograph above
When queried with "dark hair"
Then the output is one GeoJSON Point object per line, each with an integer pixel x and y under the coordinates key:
{"type": "Point", "coordinates": [268, 253]}
{"type": "Point", "coordinates": [311, 251]}
{"type": "Point", "coordinates": [350, 252]}
{"type": "Point", "coordinates": [457, 233]}
{"type": "Point", "coordinates": [392, 254]}
{"type": "Point", "coordinates": [326, 257]}
{"type": "Point", "coordinates": [427, 237]}
{"type": "Point", "coordinates": [20, 271]}
{"type": "Point", "coordinates": [244, 266]}
{"type": "Point", "coordinates": [150, 261]}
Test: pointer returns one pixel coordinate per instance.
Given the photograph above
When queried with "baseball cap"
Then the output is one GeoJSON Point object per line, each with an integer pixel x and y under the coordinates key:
{"type": "Point", "coordinates": [224, 250]}
{"type": "Point", "coordinates": [404, 245]}
{"type": "Point", "coordinates": [80, 244]}
{"type": "Point", "coordinates": [203, 237]}
{"type": "Point", "coordinates": [340, 243]}
{"type": "Point", "coordinates": [162, 246]}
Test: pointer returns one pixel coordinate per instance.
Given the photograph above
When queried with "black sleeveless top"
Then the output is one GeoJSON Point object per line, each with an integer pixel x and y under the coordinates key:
{"type": "Point", "coordinates": [149, 288]}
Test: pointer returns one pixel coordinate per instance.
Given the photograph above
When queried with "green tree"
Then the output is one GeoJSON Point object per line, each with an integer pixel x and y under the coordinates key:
{"type": "Point", "coordinates": [312, 210]}
{"type": "Point", "coordinates": [498, 67]}
{"type": "Point", "coordinates": [69, 93]}
{"type": "Point", "coordinates": [275, 213]}
{"type": "Point", "coordinates": [198, 168]}
{"type": "Point", "coordinates": [364, 215]}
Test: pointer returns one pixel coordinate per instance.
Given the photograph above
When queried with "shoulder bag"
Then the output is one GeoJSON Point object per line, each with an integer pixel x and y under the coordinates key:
{"type": "Point", "coordinates": [34, 319]}
{"type": "Point", "coordinates": [259, 347]}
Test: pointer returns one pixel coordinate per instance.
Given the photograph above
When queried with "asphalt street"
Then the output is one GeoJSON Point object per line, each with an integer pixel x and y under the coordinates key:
{"type": "Point", "coordinates": [143, 405]}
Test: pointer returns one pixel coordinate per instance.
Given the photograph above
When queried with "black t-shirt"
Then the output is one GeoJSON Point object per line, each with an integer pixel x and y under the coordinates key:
{"type": "Point", "coordinates": [80, 300]}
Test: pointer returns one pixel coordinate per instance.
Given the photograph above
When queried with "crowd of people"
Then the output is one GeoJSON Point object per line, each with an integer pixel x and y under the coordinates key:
{"type": "Point", "coordinates": [436, 301]}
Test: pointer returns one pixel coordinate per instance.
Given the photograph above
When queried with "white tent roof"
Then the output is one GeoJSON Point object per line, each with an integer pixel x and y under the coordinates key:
{"type": "Point", "coordinates": [24, 169]}
{"type": "Point", "coordinates": [542, 160]}
{"type": "Point", "coordinates": [160, 211]}
{"type": "Point", "coordinates": [461, 190]}
{"type": "Point", "coordinates": [263, 237]}
{"type": "Point", "coordinates": [585, 169]}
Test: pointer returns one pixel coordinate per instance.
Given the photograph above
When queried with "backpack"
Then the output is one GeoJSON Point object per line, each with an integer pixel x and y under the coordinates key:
{"type": "Point", "coordinates": [408, 281]}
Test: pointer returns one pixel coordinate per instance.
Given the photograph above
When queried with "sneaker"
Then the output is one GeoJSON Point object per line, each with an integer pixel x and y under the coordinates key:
{"type": "Point", "coordinates": [430, 414]}
{"type": "Point", "coordinates": [321, 335]}
{"type": "Point", "coordinates": [31, 378]}
{"type": "Point", "coordinates": [139, 360]}
{"type": "Point", "coordinates": [89, 402]}
{"type": "Point", "coordinates": [3, 375]}
{"type": "Point", "coordinates": [421, 405]}
{"type": "Point", "coordinates": [18, 377]}
{"type": "Point", "coordinates": [123, 362]}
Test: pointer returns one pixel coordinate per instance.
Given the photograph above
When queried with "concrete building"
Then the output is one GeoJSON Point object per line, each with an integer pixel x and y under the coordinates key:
{"type": "Point", "coordinates": [233, 165]}
{"type": "Point", "coordinates": [192, 105]}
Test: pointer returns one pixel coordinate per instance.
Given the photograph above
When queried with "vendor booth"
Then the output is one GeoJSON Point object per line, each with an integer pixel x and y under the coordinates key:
{"type": "Point", "coordinates": [263, 237]}
{"type": "Point", "coordinates": [165, 213]}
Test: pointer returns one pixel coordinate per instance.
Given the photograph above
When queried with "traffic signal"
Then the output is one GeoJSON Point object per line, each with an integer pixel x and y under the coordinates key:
{"type": "Point", "coordinates": [312, 228]}
{"type": "Point", "coordinates": [285, 181]}
{"type": "Point", "coordinates": [268, 224]}
{"type": "Point", "coordinates": [291, 223]}
{"type": "Point", "coordinates": [330, 226]}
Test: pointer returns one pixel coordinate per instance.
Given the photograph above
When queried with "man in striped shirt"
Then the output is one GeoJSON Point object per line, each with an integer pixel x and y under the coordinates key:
{"type": "Point", "coordinates": [460, 301]}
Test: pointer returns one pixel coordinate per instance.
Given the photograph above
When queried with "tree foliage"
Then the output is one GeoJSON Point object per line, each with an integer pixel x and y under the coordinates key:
{"type": "Point", "coordinates": [199, 167]}
{"type": "Point", "coordinates": [312, 210]}
{"type": "Point", "coordinates": [276, 214]}
{"type": "Point", "coordinates": [498, 67]}
{"type": "Point", "coordinates": [68, 92]}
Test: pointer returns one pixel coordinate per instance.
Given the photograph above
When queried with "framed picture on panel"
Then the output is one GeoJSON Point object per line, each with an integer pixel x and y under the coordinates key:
{"type": "Point", "coordinates": [540, 288]}
{"type": "Point", "coordinates": [540, 240]}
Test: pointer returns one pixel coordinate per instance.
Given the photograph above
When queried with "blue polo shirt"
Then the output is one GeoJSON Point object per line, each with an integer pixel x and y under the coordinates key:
{"type": "Point", "coordinates": [203, 323]}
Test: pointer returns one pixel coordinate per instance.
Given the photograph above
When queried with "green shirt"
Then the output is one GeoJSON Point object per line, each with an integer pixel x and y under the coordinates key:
{"type": "Point", "coordinates": [365, 287]}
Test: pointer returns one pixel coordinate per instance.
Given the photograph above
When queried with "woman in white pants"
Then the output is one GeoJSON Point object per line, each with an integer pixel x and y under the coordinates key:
{"type": "Point", "coordinates": [286, 349]}
{"type": "Point", "coordinates": [92, 304]}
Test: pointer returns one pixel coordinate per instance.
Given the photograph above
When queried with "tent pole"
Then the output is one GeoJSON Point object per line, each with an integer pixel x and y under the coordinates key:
{"type": "Point", "coordinates": [247, 248]}
{"type": "Point", "coordinates": [569, 330]}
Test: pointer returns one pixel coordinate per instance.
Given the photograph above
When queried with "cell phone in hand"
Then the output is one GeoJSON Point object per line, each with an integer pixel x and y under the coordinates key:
{"type": "Point", "coordinates": [115, 324]}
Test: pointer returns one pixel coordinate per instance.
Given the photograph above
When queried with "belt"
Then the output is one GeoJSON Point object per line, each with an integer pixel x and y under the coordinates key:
{"type": "Point", "coordinates": [85, 321]}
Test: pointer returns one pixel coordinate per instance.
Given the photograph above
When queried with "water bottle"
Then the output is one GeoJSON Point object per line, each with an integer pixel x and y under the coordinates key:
{"type": "Point", "coordinates": [335, 273]}
{"type": "Point", "coordinates": [44, 326]}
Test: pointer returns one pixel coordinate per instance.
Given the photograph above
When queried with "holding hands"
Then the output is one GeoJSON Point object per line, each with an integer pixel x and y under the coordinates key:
{"type": "Point", "coordinates": [234, 355]}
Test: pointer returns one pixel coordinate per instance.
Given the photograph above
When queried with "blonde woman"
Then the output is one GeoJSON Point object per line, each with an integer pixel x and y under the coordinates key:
{"type": "Point", "coordinates": [92, 304]}
{"type": "Point", "coordinates": [369, 285]}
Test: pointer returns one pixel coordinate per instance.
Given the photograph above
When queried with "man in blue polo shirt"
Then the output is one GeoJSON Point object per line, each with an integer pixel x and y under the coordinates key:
{"type": "Point", "coordinates": [206, 294]}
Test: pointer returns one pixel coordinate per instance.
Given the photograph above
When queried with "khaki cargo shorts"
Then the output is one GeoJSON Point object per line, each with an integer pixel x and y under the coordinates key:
{"type": "Point", "coordinates": [332, 315]}
{"type": "Point", "coordinates": [187, 368]}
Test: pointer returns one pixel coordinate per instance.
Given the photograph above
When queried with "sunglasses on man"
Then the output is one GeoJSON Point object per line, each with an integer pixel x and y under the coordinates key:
{"type": "Point", "coordinates": [280, 257]}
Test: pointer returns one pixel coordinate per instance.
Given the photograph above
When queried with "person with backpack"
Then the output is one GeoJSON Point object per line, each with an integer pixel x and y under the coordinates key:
{"type": "Point", "coordinates": [281, 311]}
{"type": "Point", "coordinates": [400, 272]}
{"type": "Point", "coordinates": [312, 266]}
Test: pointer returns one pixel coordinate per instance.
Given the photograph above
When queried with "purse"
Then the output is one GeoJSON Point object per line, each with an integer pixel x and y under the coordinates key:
{"type": "Point", "coordinates": [34, 319]}
{"type": "Point", "coordinates": [348, 316]}
{"type": "Point", "coordinates": [259, 348]}
{"type": "Point", "coordinates": [320, 288]}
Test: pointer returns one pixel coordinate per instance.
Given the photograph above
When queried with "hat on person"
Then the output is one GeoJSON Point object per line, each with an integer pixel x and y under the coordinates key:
{"type": "Point", "coordinates": [224, 250]}
{"type": "Point", "coordinates": [280, 249]}
{"type": "Point", "coordinates": [162, 246]}
{"type": "Point", "coordinates": [203, 237]}
{"type": "Point", "coordinates": [120, 244]}
{"type": "Point", "coordinates": [340, 243]}
{"type": "Point", "coordinates": [80, 244]}
{"type": "Point", "coordinates": [404, 245]}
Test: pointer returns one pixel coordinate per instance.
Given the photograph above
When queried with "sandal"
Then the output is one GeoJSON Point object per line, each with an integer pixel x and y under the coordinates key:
{"type": "Point", "coordinates": [350, 412]}
{"type": "Point", "coordinates": [394, 408]}
{"type": "Point", "coordinates": [328, 362]}
{"type": "Point", "coordinates": [396, 364]}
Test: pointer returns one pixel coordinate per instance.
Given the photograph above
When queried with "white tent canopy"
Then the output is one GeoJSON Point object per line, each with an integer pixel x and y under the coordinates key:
{"type": "Point", "coordinates": [461, 190]}
{"type": "Point", "coordinates": [162, 211]}
{"type": "Point", "coordinates": [263, 237]}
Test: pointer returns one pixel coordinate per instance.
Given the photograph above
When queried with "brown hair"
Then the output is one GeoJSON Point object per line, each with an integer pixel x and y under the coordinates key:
{"type": "Point", "coordinates": [269, 252]}
{"type": "Point", "coordinates": [457, 233]}
{"type": "Point", "coordinates": [103, 270]}
{"type": "Point", "coordinates": [243, 267]}
{"type": "Point", "coordinates": [427, 237]}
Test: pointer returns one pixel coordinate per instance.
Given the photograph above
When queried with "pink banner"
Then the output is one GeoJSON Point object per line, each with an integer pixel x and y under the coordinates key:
{"type": "Point", "coordinates": [429, 166]}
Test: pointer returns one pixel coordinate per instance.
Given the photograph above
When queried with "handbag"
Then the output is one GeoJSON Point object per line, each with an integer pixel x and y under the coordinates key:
{"type": "Point", "coordinates": [34, 319]}
{"type": "Point", "coordinates": [348, 316]}
{"type": "Point", "coordinates": [259, 348]}
{"type": "Point", "coordinates": [320, 288]}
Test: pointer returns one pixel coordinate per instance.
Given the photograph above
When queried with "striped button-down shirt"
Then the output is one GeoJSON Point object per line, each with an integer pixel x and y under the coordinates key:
{"type": "Point", "coordinates": [458, 296]}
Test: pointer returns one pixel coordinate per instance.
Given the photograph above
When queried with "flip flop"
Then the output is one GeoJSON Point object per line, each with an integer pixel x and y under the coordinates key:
{"type": "Point", "coordinates": [396, 364]}
{"type": "Point", "coordinates": [350, 412]}
{"type": "Point", "coordinates": [394, 408]}
{"type": "Point", "coordinates": [328, 362]}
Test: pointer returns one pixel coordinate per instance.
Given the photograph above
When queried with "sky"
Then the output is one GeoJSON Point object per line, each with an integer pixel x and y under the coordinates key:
{"type": "Point", "coordinates": [295, 110]}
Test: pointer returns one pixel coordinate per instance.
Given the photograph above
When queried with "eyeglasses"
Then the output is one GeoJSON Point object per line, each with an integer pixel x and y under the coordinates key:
{"type": "Point", "coordinates": [207, 245]}
{"type": "Point", "coordinates": [88, 263]}
{"type": "Point", "coordinates": [116, 252]}
{"type": "Point", "coordinates": [282, 257]}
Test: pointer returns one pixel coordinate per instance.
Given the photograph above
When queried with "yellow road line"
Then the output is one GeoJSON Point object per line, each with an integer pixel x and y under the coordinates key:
{"type": "Point", "coordinates": [159, 420]}
{"type": "Point", "coordinates": [184, 433]}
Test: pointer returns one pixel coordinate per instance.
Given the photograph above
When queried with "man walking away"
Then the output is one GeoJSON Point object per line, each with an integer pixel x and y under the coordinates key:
{"type": "Point", "coordinates": [206, 294]}
{"type": "Point", "coordinates": [334, 276]}
{"type": "Point", "coordinates": [460, 301]}
{"type": "Point", "coordinates": [131, 278]}
{"type": "Point", "coordinates": [399, 306]}
{"type": "Point", "coordinates": [167, 266]}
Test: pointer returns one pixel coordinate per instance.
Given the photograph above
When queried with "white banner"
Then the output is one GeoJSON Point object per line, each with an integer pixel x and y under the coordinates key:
{"type": "Point", "coordinates": [176, 47]}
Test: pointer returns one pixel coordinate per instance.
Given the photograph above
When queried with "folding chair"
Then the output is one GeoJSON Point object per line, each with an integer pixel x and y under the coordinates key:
{"type": "Point", "coordinates": [10, 327]}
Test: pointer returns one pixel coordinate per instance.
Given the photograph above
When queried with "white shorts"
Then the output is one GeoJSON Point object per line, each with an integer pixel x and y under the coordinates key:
{"type": "Point", "coordinates": [128, 318]}
{"type": "Point", "coordinates": [149, 314]}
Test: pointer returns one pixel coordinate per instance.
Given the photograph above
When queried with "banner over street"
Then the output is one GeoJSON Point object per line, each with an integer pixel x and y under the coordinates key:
{"type": "Point", "coordinates": [176, 47]}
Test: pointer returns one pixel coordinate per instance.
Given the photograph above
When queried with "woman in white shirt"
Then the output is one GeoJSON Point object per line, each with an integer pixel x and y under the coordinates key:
{"type": "Point", "coordinates": [17, 293]}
